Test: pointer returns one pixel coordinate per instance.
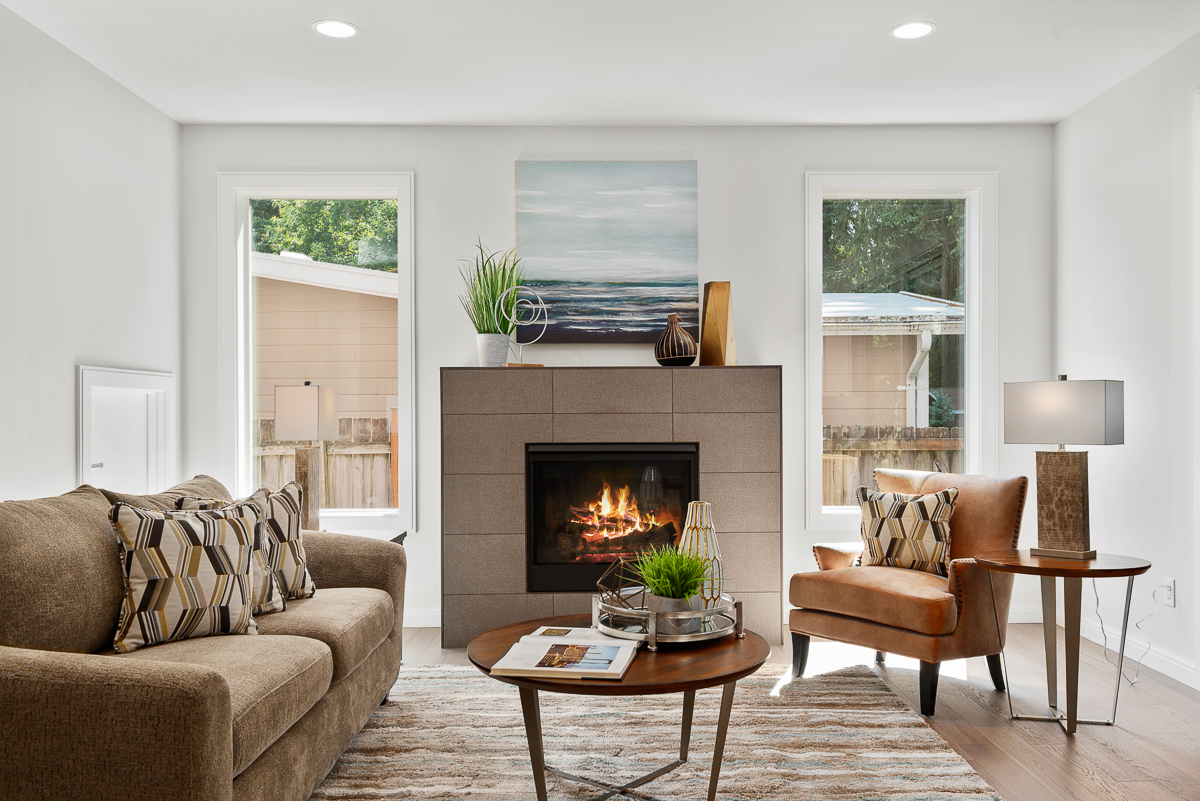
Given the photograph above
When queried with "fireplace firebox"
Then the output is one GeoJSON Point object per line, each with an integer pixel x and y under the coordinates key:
{"type": "Point", "coordinates": [588, 505]}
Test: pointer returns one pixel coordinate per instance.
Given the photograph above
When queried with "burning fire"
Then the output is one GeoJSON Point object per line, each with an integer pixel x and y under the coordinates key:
{"type": "Point", "coordinates": [605, 519]}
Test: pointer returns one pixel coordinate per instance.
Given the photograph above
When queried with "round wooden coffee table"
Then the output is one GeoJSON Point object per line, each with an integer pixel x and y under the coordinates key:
{"type": "Point", "coordinates": [1072, 572]}
{"type": "Point", "coordinates": [672, 669]}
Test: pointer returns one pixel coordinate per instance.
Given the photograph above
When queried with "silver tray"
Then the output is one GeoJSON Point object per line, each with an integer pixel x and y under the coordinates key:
{"type": "Point", "coordinates": [639, 623]}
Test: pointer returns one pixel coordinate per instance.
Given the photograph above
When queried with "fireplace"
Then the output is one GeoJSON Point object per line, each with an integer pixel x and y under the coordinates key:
{"type": "Point", "coordinates": [589, 504]}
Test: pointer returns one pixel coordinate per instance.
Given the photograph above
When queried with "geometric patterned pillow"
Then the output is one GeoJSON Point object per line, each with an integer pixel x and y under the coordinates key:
{"type": "Point", "coordinates": [187, 574]}
{"type": "Point", "coordinates": [910, 531]}
{"type": "Point", "coordinates": [283, 545]}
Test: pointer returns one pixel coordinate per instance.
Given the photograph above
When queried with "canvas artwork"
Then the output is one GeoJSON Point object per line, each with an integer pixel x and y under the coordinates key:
{"type": "Point", "coordinates": [611, 246]}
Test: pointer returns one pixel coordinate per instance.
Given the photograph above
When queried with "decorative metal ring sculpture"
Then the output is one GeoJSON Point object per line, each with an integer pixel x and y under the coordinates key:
{"type": "Point", "coordinates": [525, 311]}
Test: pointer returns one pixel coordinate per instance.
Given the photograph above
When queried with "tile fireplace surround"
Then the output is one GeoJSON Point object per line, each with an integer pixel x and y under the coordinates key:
{"type": "Point", "coordinates": [488, 416]}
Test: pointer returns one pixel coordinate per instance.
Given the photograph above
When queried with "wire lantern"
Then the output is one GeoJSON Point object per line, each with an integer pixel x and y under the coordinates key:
{"type": "Point", "coordinates": [523, 311]}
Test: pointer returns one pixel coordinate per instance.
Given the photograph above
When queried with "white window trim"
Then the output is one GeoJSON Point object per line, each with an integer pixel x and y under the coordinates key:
{"type": "Point", "coordinates": [981, 346]}
{"type": "Point", "coordinates": [235, 379]}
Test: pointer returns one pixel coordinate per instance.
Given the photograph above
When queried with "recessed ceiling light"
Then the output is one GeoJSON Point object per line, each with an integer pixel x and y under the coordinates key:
{"type": "Point", "coordinates": [913, 30]}
{"type": "Point", "coordinates": [335, 28]}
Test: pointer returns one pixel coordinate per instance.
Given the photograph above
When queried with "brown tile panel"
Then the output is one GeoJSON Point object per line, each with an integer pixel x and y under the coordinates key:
{"type": "Point", "coordinates": [496, 390]}
{"type": "Point", "coordinates": [733, 443]}
{"type": "Point", "coordinates": [742, 502]}
{"type": "Point", "coordinates": [611, 391]}
{"type": "Point", "coordinates": [727, 389]}
{"type": "Point", "coordinates": [483, 504]}
{"type": "Point", "coordinates": [762, 613]}
{"type": "Point", "coordinates": [612, 428]}
{"type": "Point", "coordinates": [483, 564]}
{"type": "Point", "coordinates": [490, 443]}
{"type": "Point", "coordinates": [465, 616]}
{"type": "Point", "coordinates": [751, 562]}
{"type": "Point", "coordinates": [573, 603]}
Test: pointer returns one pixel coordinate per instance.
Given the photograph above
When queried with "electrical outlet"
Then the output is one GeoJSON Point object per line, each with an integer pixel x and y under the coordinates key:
{"type": "Point", "coordinates": [1168, 587]}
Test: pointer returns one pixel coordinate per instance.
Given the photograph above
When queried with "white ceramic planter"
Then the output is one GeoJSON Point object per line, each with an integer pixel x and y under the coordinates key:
{"type": "Point", "coordinates": [493, 349]}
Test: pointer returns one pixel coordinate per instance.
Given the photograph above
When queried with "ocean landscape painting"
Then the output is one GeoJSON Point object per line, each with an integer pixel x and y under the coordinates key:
{"type": "Point", "coordinates": [611, 246]}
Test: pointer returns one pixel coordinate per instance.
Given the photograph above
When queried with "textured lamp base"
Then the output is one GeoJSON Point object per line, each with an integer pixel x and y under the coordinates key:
{"type": "Point", "coordinates": [1064, 530]}
{"type": "Point", "coordinates": [309, 476]}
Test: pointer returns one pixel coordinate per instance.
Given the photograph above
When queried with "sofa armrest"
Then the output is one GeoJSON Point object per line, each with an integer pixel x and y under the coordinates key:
{"type": "Point", "coordinates": [973, 587]}
{"type": "Point", "coordinates": [834, 555]}
{"type": "Point", "coordinates": [81, 726]}
{"type": "Point", "coordinates": [344, 560]}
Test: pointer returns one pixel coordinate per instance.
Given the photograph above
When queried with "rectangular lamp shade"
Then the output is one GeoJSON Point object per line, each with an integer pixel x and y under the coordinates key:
{"type": "Point", "coordinates": [306, 413]}
{"type": "Point", "coordinates": [1065, 413]}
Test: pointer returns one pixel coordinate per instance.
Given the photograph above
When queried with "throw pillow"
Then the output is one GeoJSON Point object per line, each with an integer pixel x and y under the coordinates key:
{"type": "Point", "coordinates": [187, 574]}
{"type": "Point", "coordinates": [909, 531]}
{"type": "Point", "coordinates": [283, 541]}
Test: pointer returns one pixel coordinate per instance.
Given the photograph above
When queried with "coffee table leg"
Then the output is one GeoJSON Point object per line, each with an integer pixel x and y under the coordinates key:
{"type": "Point", "coordinates": [685, 734]}
{"type": "Point", "coordinates": [1050, 635]}
{"type": "Point", "coordinates": [533, 731]}
{"type": "Point", "coordinates": [719, 747]}
{"type": "Point", "coordinates": [1072, 603]}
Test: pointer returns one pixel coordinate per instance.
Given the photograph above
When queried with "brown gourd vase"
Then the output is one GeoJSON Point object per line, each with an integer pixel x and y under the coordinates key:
{"type": "Point", "coordinates": [675, 347]}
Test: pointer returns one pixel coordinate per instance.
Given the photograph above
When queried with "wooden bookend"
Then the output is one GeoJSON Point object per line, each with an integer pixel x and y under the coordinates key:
{"type": "Point", "coordinates": [717, 346]}
{"type": "Point", "coordinates": [1062, 509]}
{"type": "Point", "coordinates": [308, 475]}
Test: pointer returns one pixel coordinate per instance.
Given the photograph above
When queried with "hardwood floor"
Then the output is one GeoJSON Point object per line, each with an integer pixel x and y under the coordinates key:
{"type": "Point", "coordinates": [1152, 754]}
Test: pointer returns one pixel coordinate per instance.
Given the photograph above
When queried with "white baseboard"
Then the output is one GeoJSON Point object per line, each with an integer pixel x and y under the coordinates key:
{"type": "Point", "coordinates": [1135, 646]}
{"type": "Point", "coordinates": [427, 618]}
{"type": "Point", "coordinates": [1025, 614]}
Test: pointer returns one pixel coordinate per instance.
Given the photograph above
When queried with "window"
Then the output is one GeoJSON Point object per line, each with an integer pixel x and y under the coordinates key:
{"type": "Point", "coordinates": [895, 357]}
{"type": "Point", "coordinates": [317, 269]}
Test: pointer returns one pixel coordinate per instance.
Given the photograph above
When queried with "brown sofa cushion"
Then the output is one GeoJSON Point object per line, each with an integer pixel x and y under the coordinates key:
{"type": "Point", "coordinates": [60, 573]}
{"type": "Point", "coordinates": [893, 596]}
{"type": "Point", "coordinates": [352, 621]}
{"type": "Point", "coordinates": [205, 486]}
{"type": "Point", "coordinates": [273, 682]}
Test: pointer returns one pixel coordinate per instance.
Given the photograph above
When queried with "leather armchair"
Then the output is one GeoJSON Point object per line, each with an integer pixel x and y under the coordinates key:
{"type": "Point", "coordinates": [916, 614]}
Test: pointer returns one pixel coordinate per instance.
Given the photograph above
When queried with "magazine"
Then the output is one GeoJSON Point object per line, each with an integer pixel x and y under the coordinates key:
{"type": "Point", "coordinates": [568, 653]}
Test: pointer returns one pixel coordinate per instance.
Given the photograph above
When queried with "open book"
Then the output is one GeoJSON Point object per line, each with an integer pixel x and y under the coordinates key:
{"type": "Point", "coordinates": [568, 654]}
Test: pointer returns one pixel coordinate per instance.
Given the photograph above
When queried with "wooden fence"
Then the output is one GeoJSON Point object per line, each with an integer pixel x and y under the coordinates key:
{"type": "Point", "coordinates": [358, 464]}
{"type": "Point", "coordinates": [851, 454]}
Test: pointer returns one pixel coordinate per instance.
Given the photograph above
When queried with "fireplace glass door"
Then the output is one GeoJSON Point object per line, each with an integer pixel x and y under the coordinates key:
{"type": "Point", "coordinates": [589, 505]}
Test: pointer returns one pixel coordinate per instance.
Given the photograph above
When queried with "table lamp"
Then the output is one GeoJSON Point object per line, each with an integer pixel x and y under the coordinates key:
{"type": "Point", "coordinates": [307, 414]}
{"type": "Point", "coordinates": [1062, 411]}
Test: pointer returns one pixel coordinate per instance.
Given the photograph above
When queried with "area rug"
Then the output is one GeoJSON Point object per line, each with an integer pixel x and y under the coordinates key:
{"type": "Point", "coordinates": [451, 733]}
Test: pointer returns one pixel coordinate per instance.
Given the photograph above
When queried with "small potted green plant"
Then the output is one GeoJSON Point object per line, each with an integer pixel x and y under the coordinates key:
{"type": "Point", "coordinates": [488, 277]}
{"type": "Point", "coordinates": [673, 581]}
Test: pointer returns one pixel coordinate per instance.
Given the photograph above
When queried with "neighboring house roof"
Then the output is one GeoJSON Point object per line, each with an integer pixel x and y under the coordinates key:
{"type": "Point", "coordinates": [889, 313]}
{"type": "Point", "coordinates": [303, 270]}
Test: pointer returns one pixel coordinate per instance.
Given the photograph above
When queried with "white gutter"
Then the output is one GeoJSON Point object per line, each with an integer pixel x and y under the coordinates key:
{"type": "Point", "coordinates": [302, 270]}
{"type": "Point", "coordinates": [913, 392]}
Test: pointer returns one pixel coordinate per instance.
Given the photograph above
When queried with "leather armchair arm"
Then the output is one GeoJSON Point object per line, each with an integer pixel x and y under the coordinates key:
{"type": "Point", "coordinates": [834, 555]}
{"type": "Point", "coordinates": [82, 726]}
{"type": "Point", "coordinates": [977, 616]}
{"type": "Point", "coordinates": [344, 560]}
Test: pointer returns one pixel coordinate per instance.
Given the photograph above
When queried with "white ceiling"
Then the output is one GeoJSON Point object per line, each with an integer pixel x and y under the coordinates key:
{"type": "Point", "coordinates": [654, 62]}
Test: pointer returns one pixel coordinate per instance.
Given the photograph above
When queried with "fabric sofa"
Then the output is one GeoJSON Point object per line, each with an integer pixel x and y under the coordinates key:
{"type": "Point", "coordinates": [260, 716]}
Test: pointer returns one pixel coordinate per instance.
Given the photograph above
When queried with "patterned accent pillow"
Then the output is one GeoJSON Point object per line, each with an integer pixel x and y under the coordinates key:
{"type": "Point", "coordinates": [187, 574]}
{"type": "Point", "coordinates": [283, 542]}
{"type": "Point", "coordinates": [910, 531]}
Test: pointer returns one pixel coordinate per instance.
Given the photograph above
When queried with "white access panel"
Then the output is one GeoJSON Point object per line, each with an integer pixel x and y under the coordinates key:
{"type": "Point", "coordinates": [126, 429]}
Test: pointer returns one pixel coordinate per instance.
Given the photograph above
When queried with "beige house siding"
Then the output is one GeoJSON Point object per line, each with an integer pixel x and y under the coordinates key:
{"type": "Point", "coordinates": [341, 339]}
{"type": "Point", "coordinates": [860, 375]}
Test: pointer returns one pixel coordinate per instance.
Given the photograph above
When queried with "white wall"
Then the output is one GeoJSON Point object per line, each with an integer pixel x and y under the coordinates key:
{"type": "Point", "coordinates": [89, 247]}
{"type": "Point", "coordinates": [1126, 309]}
{"type": "Point", "coordinates": [751, 232]}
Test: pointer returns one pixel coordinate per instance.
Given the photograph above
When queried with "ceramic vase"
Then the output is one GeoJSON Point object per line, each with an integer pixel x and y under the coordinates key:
{"type": "Point", "coordinates": [493, 349]}
{"type": "Point", "coordinates": [675, 347]}
{"type": "Point", "coordinates": [699, 538]}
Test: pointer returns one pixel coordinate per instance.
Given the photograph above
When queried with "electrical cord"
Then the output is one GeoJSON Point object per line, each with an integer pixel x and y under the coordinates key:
{"type": "Point", "coordinates": [1138, 625]}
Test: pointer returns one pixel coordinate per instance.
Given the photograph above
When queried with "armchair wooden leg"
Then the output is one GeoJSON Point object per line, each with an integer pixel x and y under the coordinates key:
{"type": "Point", "coordinates": [879, 657]}
{"type": "Point", "coordinates": [799, 654]}
{"type": "Point", "coordinates": [997, 672]}
{"type": "Point", "coordinates": [929, 683]}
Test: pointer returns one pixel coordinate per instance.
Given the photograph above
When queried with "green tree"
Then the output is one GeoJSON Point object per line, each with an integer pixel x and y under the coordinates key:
{"type": "Point", "coordinates": [356, 233]}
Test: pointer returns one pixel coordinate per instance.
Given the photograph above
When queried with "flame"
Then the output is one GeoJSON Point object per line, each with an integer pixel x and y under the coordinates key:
{"type": "Point", "coordinates": [603, 519]}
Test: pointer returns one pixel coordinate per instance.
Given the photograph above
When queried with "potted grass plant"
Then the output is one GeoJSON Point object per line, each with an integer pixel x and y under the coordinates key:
{"type": "Point", "coordinates": [672, 580]}
{"type": "Point", "coordinates": [488, 276]}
